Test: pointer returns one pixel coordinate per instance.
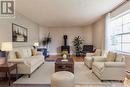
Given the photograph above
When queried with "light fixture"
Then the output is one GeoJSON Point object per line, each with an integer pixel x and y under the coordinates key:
{"type": "Point", "coordinates": [6, 46]}
{"type": "Point", "coordinates": [35, 45]}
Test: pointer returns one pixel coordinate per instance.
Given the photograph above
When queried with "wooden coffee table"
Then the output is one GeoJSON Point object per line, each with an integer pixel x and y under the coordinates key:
{"type": "Point", "coordinates": [64, 65]}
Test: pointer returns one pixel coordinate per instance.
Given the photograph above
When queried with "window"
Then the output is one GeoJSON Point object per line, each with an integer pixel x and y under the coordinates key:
{"type": "Point", "coordinates": [120, 33]}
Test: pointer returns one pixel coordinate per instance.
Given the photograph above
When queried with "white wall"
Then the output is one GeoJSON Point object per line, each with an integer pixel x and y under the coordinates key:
{"type": "Point", "coordinates": [122, 9]}
{"type": "Point", "coordinates": [57, 38]}
{"type": "Point", "coordinates": [98, 33]}
{"type": "Point", "coordinates": [6, 29]}
{"type": "Point", "coordinates": [42, 32]}
{"type": "Point", "coordinates": [87, 34]}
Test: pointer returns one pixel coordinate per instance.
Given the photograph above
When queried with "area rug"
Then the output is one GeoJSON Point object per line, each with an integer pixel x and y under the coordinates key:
{"type": "Point", "coordinates": [41, 85]}
{"type": "Point", "coordinates": [43, 75]}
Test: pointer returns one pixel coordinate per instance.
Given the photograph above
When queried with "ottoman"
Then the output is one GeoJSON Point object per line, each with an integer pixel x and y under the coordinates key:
{"type": "Point", "coordinates": [62, 79]}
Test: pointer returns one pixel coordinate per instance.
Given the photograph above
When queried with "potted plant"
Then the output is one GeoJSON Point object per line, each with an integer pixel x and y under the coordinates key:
{"type": "Point", "coordinates": [77, 42]}
{"type": "Point", "coordinates": [46, 40]}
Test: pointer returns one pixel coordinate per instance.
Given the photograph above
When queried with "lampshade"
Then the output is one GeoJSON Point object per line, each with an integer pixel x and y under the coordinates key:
{"type": "Point", "coordinates": [36, 44]}
{"type": "Point", "coordinates": [6, 46]}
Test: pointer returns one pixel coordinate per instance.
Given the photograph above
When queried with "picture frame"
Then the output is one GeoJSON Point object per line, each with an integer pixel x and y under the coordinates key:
{"type": "Point", "coordinates": [19, 33]}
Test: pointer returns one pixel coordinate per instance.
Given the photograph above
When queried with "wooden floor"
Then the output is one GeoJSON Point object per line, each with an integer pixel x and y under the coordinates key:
{"type": "Point", "coordinates": [40, 85]}
{"type": "Point", "coordinates": [76, 59]}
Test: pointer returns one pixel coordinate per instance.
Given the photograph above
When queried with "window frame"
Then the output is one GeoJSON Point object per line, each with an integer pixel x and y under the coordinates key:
{"type": "Point", "coordinates": [122, 33]}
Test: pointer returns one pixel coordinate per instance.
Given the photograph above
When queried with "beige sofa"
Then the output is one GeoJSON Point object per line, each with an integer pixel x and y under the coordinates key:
{"type": "Point", "coordinates": [27, 63]}
{"type": "Point", "coordinates": [88, 60]}
{"type": "Point", "coordinates": [105, 70]}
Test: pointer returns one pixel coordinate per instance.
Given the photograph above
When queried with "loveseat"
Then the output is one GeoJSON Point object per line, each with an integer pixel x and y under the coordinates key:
{"type": "Point", "coordinates": [26, 63]}
{"type": "Point", "coordinates": [111, 67]}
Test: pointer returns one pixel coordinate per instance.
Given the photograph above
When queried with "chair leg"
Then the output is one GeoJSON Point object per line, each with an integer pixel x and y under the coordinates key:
{"type": "Point", "coordinates": [101, 80]}
{"type": "Point", "coordinates": [29, 75]}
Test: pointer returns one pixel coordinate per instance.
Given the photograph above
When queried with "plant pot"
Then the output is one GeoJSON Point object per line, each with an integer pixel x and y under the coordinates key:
{"type": "Point", "coordinates": [78, 54]}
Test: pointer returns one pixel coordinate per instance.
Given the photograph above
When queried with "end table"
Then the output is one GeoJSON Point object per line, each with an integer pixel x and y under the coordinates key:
{"type": "Point", "coordinates": [7, 68]}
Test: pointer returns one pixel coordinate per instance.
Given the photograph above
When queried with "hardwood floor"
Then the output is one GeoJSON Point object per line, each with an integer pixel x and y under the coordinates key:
{"type": "Point", "coordinates": [76, 59]}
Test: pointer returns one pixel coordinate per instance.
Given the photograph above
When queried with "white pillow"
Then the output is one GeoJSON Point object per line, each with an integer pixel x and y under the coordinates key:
{"type": "Point", "coordinates": [119, 58]}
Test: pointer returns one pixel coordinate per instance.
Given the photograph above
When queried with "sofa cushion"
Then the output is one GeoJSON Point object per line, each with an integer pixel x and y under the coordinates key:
{"type": "Point", "coordinates": [111, 57]}
{"type": "Point", "coordinates": [97, 52]}
{"type": "Point", "coordinates": [33, 60]}
{"type": "Point", "coordinates": [12, 55]}
{"type": "Point", "coordinates": [25, 52]}
{"type": "Point", "coordinates": [29, 52]}
{"type": "Point", "coordinates": [119, 58]}
{"type": "Point", "coordinates": [98, 65]}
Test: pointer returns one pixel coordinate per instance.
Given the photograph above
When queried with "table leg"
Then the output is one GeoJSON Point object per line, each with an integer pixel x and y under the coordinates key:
{"type": "Point", "coordinates": [9, 81]}
{"type": "Point", "coordinates": [16, 73]}
{"type": "Point", "coordinates": [6, 75]}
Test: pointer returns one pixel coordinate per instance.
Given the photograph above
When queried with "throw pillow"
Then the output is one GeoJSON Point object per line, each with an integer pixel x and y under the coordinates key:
{"type": "Point", "coordinates": [111, 57]}
{"type": "Point", "coordinates": [119, 58]}
{"type": "Point", "coordinates": [34, 52]}
{"type": "Point", "coordinates": [18, 55]}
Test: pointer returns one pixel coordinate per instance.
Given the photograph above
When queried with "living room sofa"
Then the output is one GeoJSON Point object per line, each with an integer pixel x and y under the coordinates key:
{"type": "Point", "coordinates": [109, 70]}
{"type": "Point", "coordinates": [27, 63]}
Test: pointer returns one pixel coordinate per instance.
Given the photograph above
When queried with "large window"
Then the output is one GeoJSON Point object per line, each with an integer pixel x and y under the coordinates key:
{"type": "Point", "coordinates": [120, 33]}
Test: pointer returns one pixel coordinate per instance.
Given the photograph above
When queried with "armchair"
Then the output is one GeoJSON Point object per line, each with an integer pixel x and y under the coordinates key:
{"type": "Point", "coordinates": [89, 59]}
{"type": "Point", "coordinates": [109, 70]}
{"type": "Point", "coordinates": [87, 49]}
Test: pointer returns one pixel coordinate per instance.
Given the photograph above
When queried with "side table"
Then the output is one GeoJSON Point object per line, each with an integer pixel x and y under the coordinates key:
{"type": "Point", "coordinates": [7, 68]}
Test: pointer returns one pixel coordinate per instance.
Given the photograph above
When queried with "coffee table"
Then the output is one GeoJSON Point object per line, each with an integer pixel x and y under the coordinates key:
{"type": "Point", "coordinates": [64, 65]}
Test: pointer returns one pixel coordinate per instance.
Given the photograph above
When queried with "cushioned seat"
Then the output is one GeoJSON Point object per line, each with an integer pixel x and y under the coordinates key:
{"type": "Point", "coordinates": [88, 60]}
{"type": "Point", "coordinates": [99, 65]}
{"type": "Point", "coordinates": [62, 79]}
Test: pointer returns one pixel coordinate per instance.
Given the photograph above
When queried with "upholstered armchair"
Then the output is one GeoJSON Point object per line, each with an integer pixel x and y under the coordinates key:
{"type": "Point", "coordinates": [88, 60]}
{"type": "Point", "coordinates": [109, 69]}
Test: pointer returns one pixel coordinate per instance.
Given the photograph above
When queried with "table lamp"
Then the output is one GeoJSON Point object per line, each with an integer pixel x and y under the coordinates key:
{"type": "Point", "coordinates": [6, 46]}
{"type": "Point", "coordinates": [36, 44]}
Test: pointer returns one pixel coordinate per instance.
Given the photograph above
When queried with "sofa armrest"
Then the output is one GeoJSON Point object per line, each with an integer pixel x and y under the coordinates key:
{"type": "Point", "coordinates": [16, 60]}
{"type": "Point", "coordinates": [89, 54]}
{"type": "Point", "coordinates": [99, 59]}
{"type": "Point", "coordinates": [114, 64]}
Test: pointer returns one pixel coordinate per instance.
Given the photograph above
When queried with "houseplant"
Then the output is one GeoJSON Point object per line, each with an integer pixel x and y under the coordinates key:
{"type": "Point", "coordinates": [77, 42]}
{"type": "Point", "coordinates": [46, 40]}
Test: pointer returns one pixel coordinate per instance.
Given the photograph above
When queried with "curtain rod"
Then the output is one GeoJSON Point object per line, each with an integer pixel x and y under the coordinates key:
{"type": "Point", "coordinates": [119, 6]}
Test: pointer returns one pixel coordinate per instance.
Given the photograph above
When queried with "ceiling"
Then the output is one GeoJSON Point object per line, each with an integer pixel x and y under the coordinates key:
{"type": "Point", "coordinates": [64, 13]}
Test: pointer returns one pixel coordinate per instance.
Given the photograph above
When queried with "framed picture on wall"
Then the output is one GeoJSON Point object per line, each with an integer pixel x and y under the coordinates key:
{"type": "Point", "coordinates": [19, 33]}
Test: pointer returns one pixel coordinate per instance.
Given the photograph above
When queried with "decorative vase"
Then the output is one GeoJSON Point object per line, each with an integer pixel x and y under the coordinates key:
{"type": "Point", "coordinates": [64, 56]}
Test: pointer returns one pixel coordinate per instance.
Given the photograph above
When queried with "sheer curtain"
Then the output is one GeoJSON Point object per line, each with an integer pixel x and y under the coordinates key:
{"type": "Point", "coordinates": [107, 32]}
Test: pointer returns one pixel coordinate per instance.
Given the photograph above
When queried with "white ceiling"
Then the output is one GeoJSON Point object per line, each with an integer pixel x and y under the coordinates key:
{"type": "Point", "coordinates": [64, 13]}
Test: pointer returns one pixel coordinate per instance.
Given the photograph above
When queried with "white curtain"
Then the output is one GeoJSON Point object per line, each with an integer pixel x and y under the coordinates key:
{"type": "Point", "coordinates": [107, 31]}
